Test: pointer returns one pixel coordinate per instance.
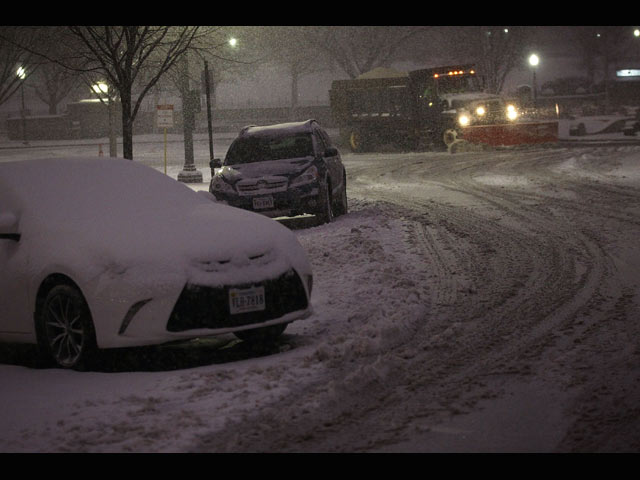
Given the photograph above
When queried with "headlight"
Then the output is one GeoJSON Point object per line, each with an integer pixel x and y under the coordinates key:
{"type": "Point", "coordinates": [512, 112]}
{"type": "Point", "coordinates": [308, 176]}
{"type": "Point", "coordinates": [219, 185]}
{"type": "Point", "coordinates": [480, 111]}
{"type": "Point", "coordinates": [464, 120]}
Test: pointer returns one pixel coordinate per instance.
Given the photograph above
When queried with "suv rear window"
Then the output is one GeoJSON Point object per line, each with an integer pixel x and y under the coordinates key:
{"type": "Point", "coordinates": [263, 149]}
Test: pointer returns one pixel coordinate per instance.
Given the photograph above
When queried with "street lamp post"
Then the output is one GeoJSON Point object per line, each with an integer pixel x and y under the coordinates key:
{"type": "Point", "coordinates": [22, 74]}
{"type": "Point", "coordinates": [207, 85]}
{"type": "Point", "coordinates": [534, 60]}
{"type": "Point", "coordinates": [101, 88]}
{"type": "Point", "coordinates": [189, 173]}
{"type": "Point", "coordinates": [207, 89]}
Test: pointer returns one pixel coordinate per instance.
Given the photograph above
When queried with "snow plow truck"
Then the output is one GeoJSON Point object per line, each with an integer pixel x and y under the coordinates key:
{"type": "Point", "coordinates": [429, 108]}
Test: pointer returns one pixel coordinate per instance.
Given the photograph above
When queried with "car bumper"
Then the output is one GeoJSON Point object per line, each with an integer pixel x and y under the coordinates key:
{"type": "Point", "coordinates": [295, 201]}
{"type": "Point", "coordinates": [168, 309]}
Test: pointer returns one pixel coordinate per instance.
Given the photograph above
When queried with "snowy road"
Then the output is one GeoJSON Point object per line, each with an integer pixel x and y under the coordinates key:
{"type": "Point", "coordinates": [536, 291]}
{"type": "Point", "coordinates": [500, 310]}
{"type": "Point", "coordinates": [477, 302]}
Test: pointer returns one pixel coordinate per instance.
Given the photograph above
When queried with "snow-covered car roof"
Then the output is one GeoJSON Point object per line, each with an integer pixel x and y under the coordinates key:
{"type": "Point", "coordinates": [115, 209]}
{"type": "Point", "coordinates": [283, 129]}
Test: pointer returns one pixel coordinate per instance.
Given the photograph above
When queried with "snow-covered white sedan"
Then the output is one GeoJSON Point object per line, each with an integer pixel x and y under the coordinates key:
{"type": "Point", "coordinates": [103, 253]}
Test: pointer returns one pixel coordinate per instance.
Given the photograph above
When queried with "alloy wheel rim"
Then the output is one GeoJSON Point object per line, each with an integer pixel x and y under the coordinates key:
{"type": "Point", "coordinates": [64, 330]}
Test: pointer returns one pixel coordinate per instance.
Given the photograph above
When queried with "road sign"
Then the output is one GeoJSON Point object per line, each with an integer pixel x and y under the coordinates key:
{"type": "Point", "coordinates": [165, 116]}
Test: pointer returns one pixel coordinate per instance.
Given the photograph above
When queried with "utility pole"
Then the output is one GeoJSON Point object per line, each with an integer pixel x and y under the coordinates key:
{"type": "Point", "coordinates": [208, 95]}
{"type": "Point", "coordinates": [24, 117]}
{"type": "Point", "coordinates": [22, 74]}
{"type": "Point", "coordinates": [189, 174]}
{"type": "Point", "coordinates": [113, 141]}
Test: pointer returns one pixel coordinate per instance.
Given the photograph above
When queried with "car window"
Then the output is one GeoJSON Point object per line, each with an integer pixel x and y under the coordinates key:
{"type": "Point", "coordinates": [325, 137]}
{"type": "Point", "coordinates": [262, 149]}
{"type": "Point", "coordinates": [322, 144]}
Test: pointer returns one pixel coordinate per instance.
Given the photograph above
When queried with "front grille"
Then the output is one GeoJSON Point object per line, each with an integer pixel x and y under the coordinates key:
{"type": "Point", "coordinates": [208, 307]}
{"type": "Point", "coordinates": [262, 186]}
{"type": "Point", "coordinates": [495, 112]}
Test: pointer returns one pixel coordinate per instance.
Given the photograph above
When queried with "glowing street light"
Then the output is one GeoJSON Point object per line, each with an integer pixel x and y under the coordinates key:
{"type": "Point", "coordinates": [233, 42]}
{"type": "Point", "coordinates": [100, 88]}
{"type": "Point", "coordinates": [534, 60]}
{"type": "Point", "coordinates": [22, 74]}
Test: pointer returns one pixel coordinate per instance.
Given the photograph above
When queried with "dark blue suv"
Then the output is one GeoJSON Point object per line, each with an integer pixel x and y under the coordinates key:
{"type": "Point", "coordinates": [281, 170]}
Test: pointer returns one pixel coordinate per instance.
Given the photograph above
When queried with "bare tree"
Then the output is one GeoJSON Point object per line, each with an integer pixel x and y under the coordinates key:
{"type": "Point", "coordinates": [231, 52]}
{"type": "Point", "coordinates": [212, 47]}
{"type": "Point", "coordinates": [13, 56]}
{"type": "Point", "coordinates": [359, 49]}
{"type": "Point", "coordinates": [52, 84]}
{"type": "Point", "coordinates": [496, 50]}
{"type": "Point", "coordinates": [51, 81]}
{"type": "Point", "coordinates": [123, 53]}
{"type": "Point", "coordinates": [588, 45]}
{"type": "Point", "coordinates": [291, 47]}
{"type": "Point", "coordinates": [601, 47]}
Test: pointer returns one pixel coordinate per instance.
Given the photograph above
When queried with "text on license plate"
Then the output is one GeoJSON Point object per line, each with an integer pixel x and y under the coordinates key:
{"type": "Point", "coordinates": [242, 300]}
{"type": "Point", "coordinates": [263, 202]}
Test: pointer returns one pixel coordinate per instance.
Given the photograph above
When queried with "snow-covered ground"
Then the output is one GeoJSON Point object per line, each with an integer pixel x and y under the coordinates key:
{"type": "Point", "coordinates": [477, 302]}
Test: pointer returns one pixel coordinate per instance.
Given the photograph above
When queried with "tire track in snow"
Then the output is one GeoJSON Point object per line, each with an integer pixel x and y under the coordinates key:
{"type": "Point", "coordinates": [567, 271]}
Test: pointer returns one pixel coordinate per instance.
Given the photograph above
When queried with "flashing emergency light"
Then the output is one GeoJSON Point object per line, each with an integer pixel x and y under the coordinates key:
{"type": "Point", "coordinates": [454, 72]}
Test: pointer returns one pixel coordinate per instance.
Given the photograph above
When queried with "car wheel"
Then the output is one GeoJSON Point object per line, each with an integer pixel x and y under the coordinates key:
{"type": "Point", "coordinates": [357, 141]}
{"type": "Point", "coordinates": [343, 206]}
{"type": "Point", "coordinates": [326, 208]}
{"type": "Point", "coordinates": [68, 336]}
{"type": "Point", "coordinates": [449, 136]}
{"type": "Point", "coordinates": [262, 335]}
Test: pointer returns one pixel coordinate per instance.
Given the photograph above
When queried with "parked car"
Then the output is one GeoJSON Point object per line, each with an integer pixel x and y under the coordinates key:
{"type": "Point", "coordinates": [104, 253]}
{"type": "Point", "coordinates": [279, 170]}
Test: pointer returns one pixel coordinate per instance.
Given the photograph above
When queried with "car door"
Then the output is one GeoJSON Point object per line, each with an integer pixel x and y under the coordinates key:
{"type": "Point", "coordinates": [334, 162]}
{"type": "Point", "coordinates": [16, 313]}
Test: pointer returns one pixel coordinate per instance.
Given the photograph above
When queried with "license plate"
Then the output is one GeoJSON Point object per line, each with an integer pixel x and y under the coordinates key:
{"type": "Point", "coordinates": [263, 202]}
{"type": "Point", "coordinates": [242, 300]}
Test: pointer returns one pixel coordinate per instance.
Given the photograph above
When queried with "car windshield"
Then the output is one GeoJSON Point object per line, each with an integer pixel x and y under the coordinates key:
{"type": "Point", "coordinates": [263, 149]}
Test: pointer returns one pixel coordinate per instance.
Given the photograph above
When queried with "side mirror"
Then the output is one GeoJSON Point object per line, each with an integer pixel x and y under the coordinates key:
{"type": "Point", "coordinates": [331, 152]}
{"type": "Point", "coordinates": [215, 163]}
{"type": "Point", "coordinates": [9, 227]}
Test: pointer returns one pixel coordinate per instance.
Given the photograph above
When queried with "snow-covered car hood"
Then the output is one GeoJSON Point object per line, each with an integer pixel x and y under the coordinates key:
{"type": "Point", "coordinates": [113, 214]}
{"type": "Point", "coordinates": [278, 168]}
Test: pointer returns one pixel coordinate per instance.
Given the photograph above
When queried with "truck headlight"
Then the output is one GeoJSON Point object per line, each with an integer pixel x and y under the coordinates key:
{"type": "Point", "coordinates": [480, 111]}
{"type": "Point", "coordinates": [464, 120]}
{"type": "Point", "coordinates": [512, 112]}
{"type": "Point", "coordinates": [310, 175]}
{"type": "Point", "coordinates": [219, 185]}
